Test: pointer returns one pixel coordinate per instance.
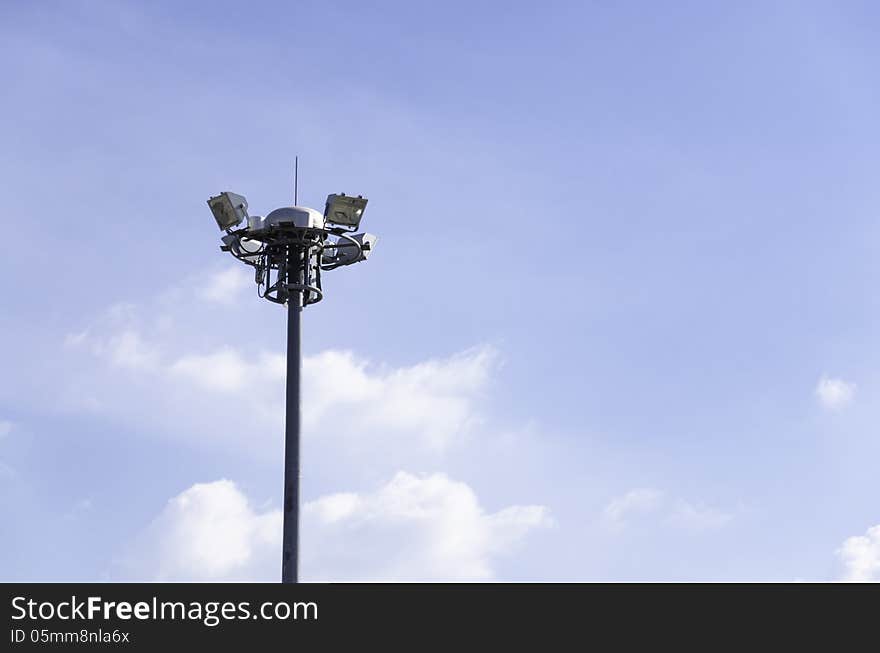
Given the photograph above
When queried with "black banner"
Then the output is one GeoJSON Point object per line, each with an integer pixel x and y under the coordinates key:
{"type": "Point", "coordinates": [154, 616]}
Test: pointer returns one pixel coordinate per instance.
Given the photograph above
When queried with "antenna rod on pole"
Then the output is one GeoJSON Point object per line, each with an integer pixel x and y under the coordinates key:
{"type": "Point", "coordinates": [295, 180]}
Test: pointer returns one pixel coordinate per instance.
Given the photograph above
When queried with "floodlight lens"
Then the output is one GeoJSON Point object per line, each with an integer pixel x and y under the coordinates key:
{"type": "Point", "coordinates": [229, 209]}
{"type": "Point", "coordinates": [344, 210]}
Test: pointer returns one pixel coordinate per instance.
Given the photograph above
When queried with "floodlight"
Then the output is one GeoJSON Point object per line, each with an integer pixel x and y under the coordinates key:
{"type": "Point", "coordinates": [344, 210]}
{"type": "Point", "coordinates": [243, 248]}
{"type": "Point", "coordinates": [347, 253]}
{"type": "Point", "coordinates": [229, 209]}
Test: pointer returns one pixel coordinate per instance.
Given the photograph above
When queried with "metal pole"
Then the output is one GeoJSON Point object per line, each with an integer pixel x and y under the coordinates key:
{"type": "Point", "coordinates": [290, 538]}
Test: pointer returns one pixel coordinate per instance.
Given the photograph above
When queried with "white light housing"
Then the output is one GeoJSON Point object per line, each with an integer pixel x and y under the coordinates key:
{"type": "Point", "coordinates": [243, 248]}
{"type": "Point", "coordinates": [344, 210]}
{"type": "Point", "coordinates": [229, 209]}
{"type": "Point", "coordinates": [347, 253]}
{"type": "Point", "coordinates": [295, 216]}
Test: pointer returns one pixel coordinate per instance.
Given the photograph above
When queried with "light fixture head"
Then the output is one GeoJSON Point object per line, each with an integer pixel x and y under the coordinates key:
{"type": "Point", "coordinates": [344, 210]}
{"type": "Point", "coordinates": [347, 253]}
{"type": "Point", "coordinates": [229, 209]}
{"type": "Point", "coordinates": [245, 249]}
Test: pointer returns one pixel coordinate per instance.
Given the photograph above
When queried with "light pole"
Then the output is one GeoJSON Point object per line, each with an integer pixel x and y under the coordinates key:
{"type": "Point", "coordinates": [288, 250]}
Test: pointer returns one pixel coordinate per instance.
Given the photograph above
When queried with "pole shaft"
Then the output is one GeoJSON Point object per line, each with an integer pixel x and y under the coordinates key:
{"type": "Point", "coordinates": [290, 538]}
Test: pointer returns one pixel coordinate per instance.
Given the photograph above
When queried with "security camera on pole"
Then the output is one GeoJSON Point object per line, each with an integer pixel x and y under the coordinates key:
{"type": "Point", "coordinates": [288, 250]}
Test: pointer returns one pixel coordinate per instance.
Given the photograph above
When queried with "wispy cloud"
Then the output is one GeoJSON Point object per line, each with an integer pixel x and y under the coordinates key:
{"type": "Point", "coordinates": [698, 517]}
{"type": "Point", "coordinates": [641, 503]}
{"type": "Point", "coordinates": [79, 509]}
{"type": "Point", "coordinates": [226, 285]}
{"type": "Point", "coordinates": [638, 500]}
{"type": "Point", "coordinates": [834, 393]}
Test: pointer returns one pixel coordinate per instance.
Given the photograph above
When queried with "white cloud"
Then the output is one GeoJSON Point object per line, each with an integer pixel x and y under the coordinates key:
{"type": "Point", "coordinates": [128, 349]}
{"type": "Point", "coordinates": [834, 393]}
{"type": "Point", "coordinates": [116, 337]}
{"type": "Point", "coordinates": [435, 401]}
{"type": "Point", "coordinates": [860, 555]}
{"type": "Point", "coordinates": [225, 286]}
{"type": "Point", "coordinates": [208, 532]}
{"type": "Point", "coordinates": [411, 528]}
{"type": "Point", "coordinates": [638, 500]}
{"type": "Point", "coordinates": [347, 399]}
{"type": "Point", "coordinates": [227, 370]}
{"type": "Point", "coordinates": [362, 420]}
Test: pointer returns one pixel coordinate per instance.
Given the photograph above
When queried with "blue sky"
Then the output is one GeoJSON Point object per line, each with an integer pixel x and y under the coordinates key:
{"type": "Point", "coordinates": [620, 324]}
